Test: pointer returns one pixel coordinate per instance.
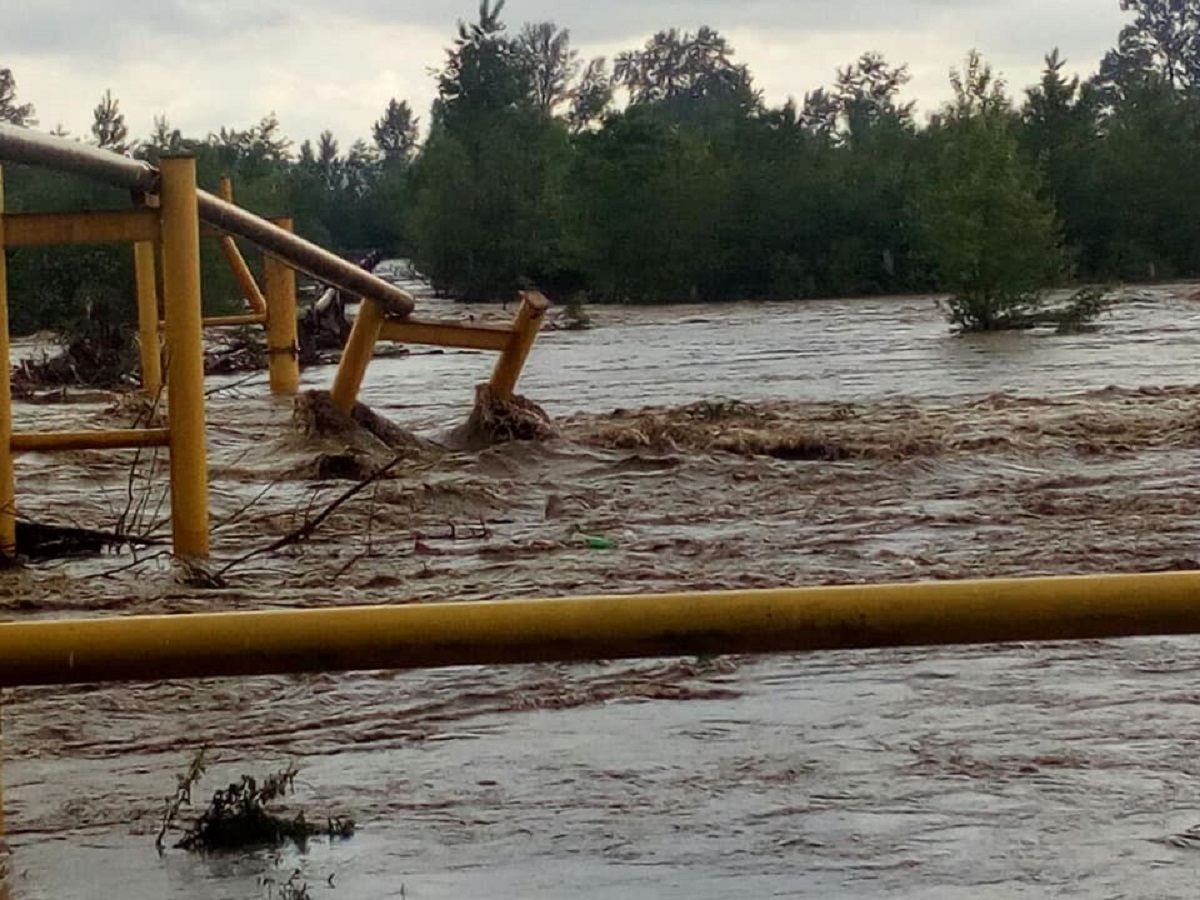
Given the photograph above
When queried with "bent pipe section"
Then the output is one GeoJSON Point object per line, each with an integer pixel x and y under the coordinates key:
{"type": "Point", "coordinates": [151, 648]}
{"type": "Point", "coordinates": [32, 148]}
{"type": "Point", "coordinates": [303, 255]}
{"type": "Point", "coordinates": [21, 145]}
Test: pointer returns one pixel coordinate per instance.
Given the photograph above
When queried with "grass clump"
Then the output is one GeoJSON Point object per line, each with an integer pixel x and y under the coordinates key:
{"type": "Point", "coordinates": [243, 816]}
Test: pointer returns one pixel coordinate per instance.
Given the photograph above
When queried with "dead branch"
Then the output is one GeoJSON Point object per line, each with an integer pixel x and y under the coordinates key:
{"type": "Point", "coordinates": [311, 524]}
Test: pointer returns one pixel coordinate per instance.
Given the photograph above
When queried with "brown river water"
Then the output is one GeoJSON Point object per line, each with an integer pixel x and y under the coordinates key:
{"type": "Point", "coordinates": [717, 447]}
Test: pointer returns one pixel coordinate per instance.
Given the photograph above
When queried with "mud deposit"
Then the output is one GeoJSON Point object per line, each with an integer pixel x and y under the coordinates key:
{"type": "Point", "coordinates": [717, 447]}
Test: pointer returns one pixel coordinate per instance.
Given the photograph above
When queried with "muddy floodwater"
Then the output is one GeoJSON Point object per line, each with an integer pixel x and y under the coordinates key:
{"type": "Point", "coordinates": [715, 447]}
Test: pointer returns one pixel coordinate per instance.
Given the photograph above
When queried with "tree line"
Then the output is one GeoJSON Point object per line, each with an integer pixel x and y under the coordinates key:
{"type": "Point", "coordinates": [663, 175]}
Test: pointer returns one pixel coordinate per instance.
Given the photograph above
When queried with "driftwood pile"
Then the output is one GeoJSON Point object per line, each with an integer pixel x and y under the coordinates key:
{"type": "Point", "coordinates": [103, 352]}
{"type": "Point", "coordinates": [499, 420]}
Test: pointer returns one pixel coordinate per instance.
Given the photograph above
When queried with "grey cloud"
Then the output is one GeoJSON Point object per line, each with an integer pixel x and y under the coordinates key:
{"type": "Point", "coordinates": [99, 28]}
{"type": "Point", "coordinates": [60, 24]}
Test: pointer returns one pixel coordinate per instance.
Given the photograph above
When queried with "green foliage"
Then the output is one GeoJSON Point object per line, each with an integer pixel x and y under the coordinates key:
{"type": "Point", "coordinates": [697, 190]}
{"type": "Point", "coordinates": [108, 125]}
{"type": "Point", "coordinates": [992, 237]}
{"type": "Point", "coordinates": [1162, 43]}
{"type": "Point", "coordinates": [11, 111]}
{"type": "Point", "coordinates": [487, 190]}
{"type": "Point", "coordinates": [55, 287]}
{"type": "Point", "coordinates": [550, 64]}
{"type": "Point", "coordinates": [395, 133]}
{"type": "Point", "coordinates": [679, 68]}
{"type": "Point", "coordinates": [240, 816]}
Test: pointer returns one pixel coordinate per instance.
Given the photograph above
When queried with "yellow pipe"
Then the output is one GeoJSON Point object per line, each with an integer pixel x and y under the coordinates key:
{"type": "Point", "coordinates": [226, 321]}
{"type": "Point", "coordinates": [525, 327]}
{"type": "Point", "coordinates": [356, 355]}
{"type": "Point", "coordinates": [86, 227]}
{"type": "Point", "coordinates": [283, 347]}
{"type": "Point", "coordinates": [149, 349]}
{"type": "Point", "coordinates": [237, 263]}
{"type": "Point", "coordinates": [185, 356]}
{"type": "Point", "coordinates": [8, 508]}
{"type": "Point", "coordinates": [447, 334]}
{"type": "Point", "coordinates": [205, 645]}
{"type": "Point", "coordinates": [117, 439]}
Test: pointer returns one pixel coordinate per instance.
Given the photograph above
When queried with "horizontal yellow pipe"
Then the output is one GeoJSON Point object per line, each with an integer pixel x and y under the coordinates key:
{"type": "Point", "coordinates": [128, 438]}
{"type": "Point", "coordinates": [226, 321]}
{"type": "Point", "coordinates": [94, 227]}
{"type": "Point", "coordinates": [527, 631]}
{"type": "Point", "coordinates": [244, 319]}
{"type": "Point", "coordinates": [447, 334]}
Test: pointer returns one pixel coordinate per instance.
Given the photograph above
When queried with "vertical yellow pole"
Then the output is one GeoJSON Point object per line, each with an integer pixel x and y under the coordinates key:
{"type": "Point", "coordinates": [8, 512]}
{"type": "Point", "coordinates": [147, 305]}
{"type": "Point", "coordinates": [185, 356]}
{"type": "Point", "coordinates": [356, 355]}
{"type": "Point", "coordinates": [8, 509]}
{"type": "Point", "coordinates": [525, 331]}
{"type": "Point", "coordinates": [283, 350]}
{"type": "Point", "coordinates": [241, 272]}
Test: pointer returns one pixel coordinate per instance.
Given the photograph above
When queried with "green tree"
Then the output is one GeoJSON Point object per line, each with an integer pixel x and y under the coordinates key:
{"type": "Point", "coordinates": [1147, 186]}
{"type": "Point", "coordinates": [483, 73]}
{"type": "Point", "coordinates": [108, 125]}
{"type": "Point", "coordinates": [867, 92]}
{"type": "Point", "coordinates": [592, 95]}
{"type": "Point", "coordinates": [1060, 132]}
{"type": "Point", "coordinates": [395, 133]}
{"type": "Point", "coordinates": [988, 230]}
{"type": "Point", "coordinates": [487, 189]}
{"type": "Point", "coordinates": [679, 68]}
{"type": "Point", "coordinates": [328, 162]}
{"type": "Point", "coordinates": [11, 111]}
{"type": "Point", "coordinates": [163, 139]}
{"type": "Point", "coordinates": [544, 50]}
{"type": "Point", "coordinates": [1163, 39]}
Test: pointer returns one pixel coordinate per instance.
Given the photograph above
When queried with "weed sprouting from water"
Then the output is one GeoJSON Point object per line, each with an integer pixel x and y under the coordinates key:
{"type": "Point", "coordinates": [183, 794]}
{"type": "Point", "coordinates": [240, 815]}
{"type": "Point", "coordinates": [295, 888]}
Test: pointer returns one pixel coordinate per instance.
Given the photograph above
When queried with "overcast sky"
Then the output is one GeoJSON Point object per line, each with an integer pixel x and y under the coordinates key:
{"type": "Point", "coordinates": [321, 64]}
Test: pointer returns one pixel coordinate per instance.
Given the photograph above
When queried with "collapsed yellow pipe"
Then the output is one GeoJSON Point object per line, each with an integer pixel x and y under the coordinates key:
{"type": "Point", "coordinates": [143, 648]}
{"type": "Point", "coordinates": [526, 325]}
{"type": "Point", "coordinates": [237, 263]}
{"type": "Point", "coordinates": [356, 355]}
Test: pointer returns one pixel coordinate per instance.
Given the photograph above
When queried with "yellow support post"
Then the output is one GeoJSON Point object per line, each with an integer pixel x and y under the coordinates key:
{"type": "Point", "coordinates": [8, 509]}
{"type": "Point", "coordinates": [185, 356]}
{"type": "Point", "coordinates": [356, 355]}
{"type": "Point", "coordinates": [147, 306]}
{"type": "Point", "coordinates": [525, 327]}
{"type": "Point", "coordinates": [237, 263]}
{"type": "Point", "coordinates": [283, 348]}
